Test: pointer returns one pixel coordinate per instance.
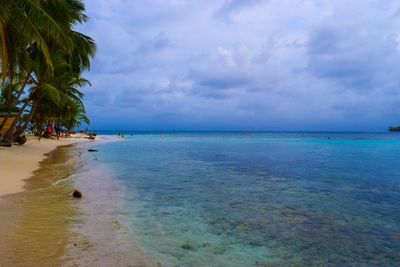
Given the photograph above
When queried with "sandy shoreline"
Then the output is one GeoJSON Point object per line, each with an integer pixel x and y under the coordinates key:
{"type": "Point", "coordinates": [44, 225]}
{"type": "Point", "coordinates": [35, 225]}
{"type": "Point", "coordinates": [19, 162]}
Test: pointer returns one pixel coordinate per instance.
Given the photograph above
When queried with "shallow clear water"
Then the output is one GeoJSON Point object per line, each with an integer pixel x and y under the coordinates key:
{"type": "Point", "coordinates": [255, 199]}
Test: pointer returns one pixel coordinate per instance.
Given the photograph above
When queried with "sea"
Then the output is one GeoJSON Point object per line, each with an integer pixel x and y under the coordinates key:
{"type": "Point", "coordinates": [258, 198]}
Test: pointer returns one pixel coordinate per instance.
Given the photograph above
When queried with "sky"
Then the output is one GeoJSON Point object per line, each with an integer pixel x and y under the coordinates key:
{"type": "Point", "coordinates": [272, 65]}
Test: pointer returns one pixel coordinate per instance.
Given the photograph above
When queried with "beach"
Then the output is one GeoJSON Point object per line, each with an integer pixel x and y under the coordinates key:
{"type": "Point", "coordinates": [19, 162]}
{"type": "Point", "coordinates": [36, 214]}
{"type": "Point", "coordinates": [42, 224]}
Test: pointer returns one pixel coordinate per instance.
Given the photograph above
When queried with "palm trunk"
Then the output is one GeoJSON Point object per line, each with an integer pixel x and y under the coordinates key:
{"type": "Point", "coordinates": [39, 127]}
{"type": "Point", "coordinates": [11, 86]}
{"type": "Point", "coordinates": [4, 57]}
{"type": "Point", "coordinates": [21, 91]}
{"type": "Point", "coordinates": [15, 102]}
{"type": "Point", "coordinates": [7, 63]}
{"type": "Point", "coordinates": [29, 118]}
{"type": "Point", "coordinates": [8, 135]}
{"type": "Point", "coordinates": [4, 61]}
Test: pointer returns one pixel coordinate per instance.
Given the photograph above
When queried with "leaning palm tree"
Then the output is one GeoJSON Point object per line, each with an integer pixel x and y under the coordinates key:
{"type": "Point", "coordinates": [23, 23]}
{"type": "Point", "coordinates": [53, 96]}
{"type": "Point", "coordinates": [37, 62]}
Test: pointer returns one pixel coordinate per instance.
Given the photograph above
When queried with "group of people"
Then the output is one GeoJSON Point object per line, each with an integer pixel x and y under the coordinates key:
{"type": "Point", "coordinates": [54, 131]}
{"type": "Point", "coordinates": [57, 131]}
{"type": "Point", "coordinates": [86, 131]}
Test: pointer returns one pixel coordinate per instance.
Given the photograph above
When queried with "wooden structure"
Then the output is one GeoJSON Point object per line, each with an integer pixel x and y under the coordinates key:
{"type": "Point", "coordinates": [9, 121]}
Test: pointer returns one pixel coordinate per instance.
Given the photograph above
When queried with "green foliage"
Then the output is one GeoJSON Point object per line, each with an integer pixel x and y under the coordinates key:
{"type": "Point", "coordinates": [42, 60]}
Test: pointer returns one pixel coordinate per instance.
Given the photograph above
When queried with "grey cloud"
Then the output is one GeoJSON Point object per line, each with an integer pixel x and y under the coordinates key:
{"type": "Point", "coordinates": [283, 65]}
{"type": "Point", "coordinates": [232, 6]}
{"type": "Point", "coordinates": [158, 42]}
{"type": "Point", "coordinates": [161, 41]}
{"type": "Point", "coordinates": [357, 58]}
{"type": "Point", "coordinates": [220, 79]}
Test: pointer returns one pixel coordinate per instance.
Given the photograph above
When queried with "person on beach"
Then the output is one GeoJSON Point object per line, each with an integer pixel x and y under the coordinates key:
{"type": "Point", "coordinates": [87, 131]}
{"type": "Point", "coordinates": [49, 131]}
{"type": "Point", "coordinates": [58, 131]}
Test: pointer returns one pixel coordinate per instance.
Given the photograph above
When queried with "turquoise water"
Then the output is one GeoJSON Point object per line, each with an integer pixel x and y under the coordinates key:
{"type": "Point", "coordinates": [259, 199]}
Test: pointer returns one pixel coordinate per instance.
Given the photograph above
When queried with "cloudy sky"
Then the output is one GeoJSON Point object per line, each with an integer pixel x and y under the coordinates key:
{"type": "Point", "coordinates": [244, 64]}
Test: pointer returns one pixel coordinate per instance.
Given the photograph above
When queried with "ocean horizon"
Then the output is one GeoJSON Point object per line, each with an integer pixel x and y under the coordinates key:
{"type": "Point", "coordinates": [116, 132]}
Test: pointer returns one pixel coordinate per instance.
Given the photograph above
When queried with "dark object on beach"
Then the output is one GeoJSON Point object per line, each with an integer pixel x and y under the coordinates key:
{"type": "Point", "coordinates": [92, 150]}
{"type": "Point", "coordinates": [46, 135]}
{"type": "Point", "coordinates": [21, 139]}
{"type": "Point", "coordinates": [5, 143]}
{"type": "Point", "coordinates": [92, 137]}
{"type": "Point", "coordinates": [19, 136]}
{"type": "Point", "coordinates": [77, 194]}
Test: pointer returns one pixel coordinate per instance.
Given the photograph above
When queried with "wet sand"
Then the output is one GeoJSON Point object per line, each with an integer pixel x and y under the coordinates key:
{"type": "Point", "coordinates": [45, 226]}
{"type": "Point", "coordinates": [35, 224]}
{"type": "Point", "coordinates": [100, 238]}
{"type": "Point", "coordinates": [19, 162]}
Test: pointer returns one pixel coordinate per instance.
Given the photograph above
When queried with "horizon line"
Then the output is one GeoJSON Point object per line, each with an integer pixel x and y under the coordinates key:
{"type": "Point", "coordinates": [252, 131]}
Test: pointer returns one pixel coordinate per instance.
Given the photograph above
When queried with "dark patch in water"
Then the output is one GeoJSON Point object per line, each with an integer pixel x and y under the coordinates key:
{"type": "Point", "coordinates": [187, 246]}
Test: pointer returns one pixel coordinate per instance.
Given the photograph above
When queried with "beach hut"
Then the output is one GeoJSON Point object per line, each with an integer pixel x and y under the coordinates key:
{"type": "Point", "coordinates": [11, 114]}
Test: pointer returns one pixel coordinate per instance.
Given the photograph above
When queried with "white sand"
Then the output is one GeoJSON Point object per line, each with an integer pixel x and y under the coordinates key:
{"type": "Point", "coordinates": [19, 162]}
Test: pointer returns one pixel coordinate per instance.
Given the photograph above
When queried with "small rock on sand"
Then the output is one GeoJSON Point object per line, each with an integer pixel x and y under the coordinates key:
{"type": "Point", "coordinates": [77, 194]}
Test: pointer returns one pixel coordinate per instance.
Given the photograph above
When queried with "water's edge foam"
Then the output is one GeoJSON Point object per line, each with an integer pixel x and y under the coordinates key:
{"type": "Point", "coordinates": [100, 235]}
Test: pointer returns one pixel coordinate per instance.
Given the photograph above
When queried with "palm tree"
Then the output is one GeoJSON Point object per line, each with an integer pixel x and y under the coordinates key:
{"type": "Point", "coordinates": [23, 22]}
{"type": "Point", "coordinates": [50, 61]}
{"type": "Point", "coordinates": [58, 97]}
{"type": "Point", "coordinates": [66, 109]}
